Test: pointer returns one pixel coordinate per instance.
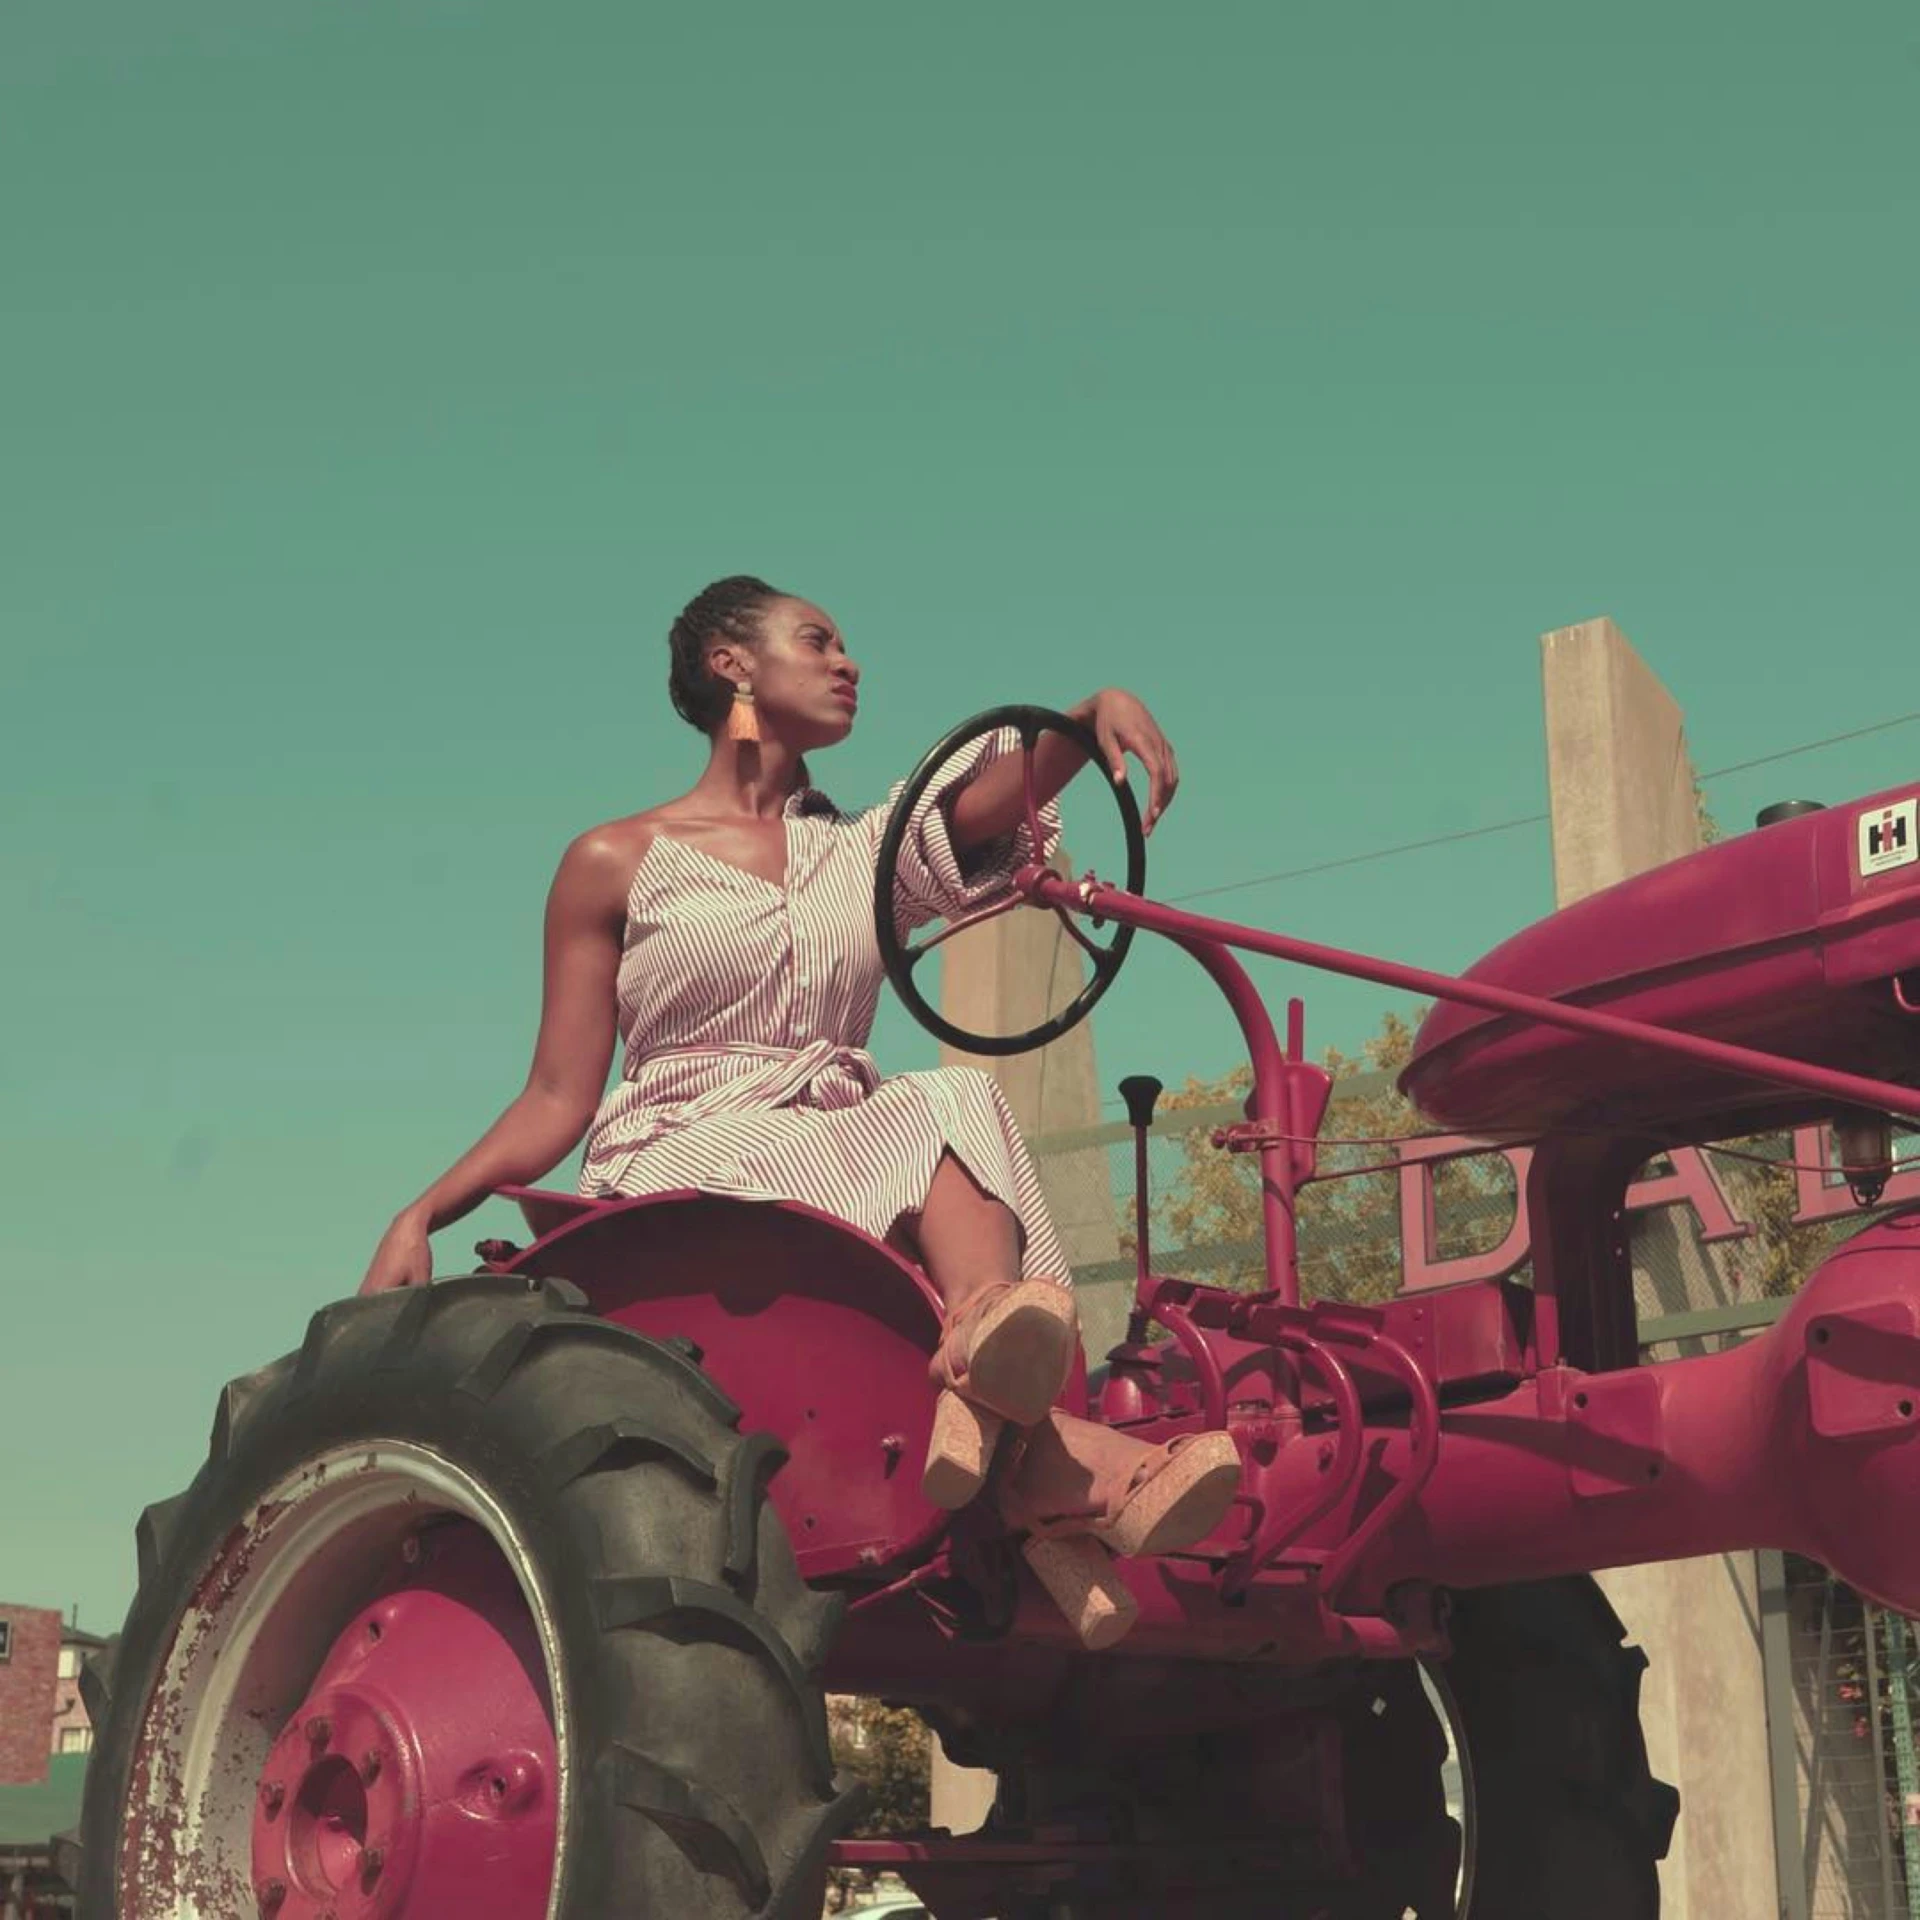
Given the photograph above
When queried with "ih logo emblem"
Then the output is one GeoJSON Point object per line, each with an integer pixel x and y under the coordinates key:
{"type": "Point", "coordinates": [1890, 837]}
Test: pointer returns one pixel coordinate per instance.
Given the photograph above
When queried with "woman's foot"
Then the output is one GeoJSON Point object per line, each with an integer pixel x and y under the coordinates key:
{"type": "Point", "coordinates": [1083, 1492]}
{"type": "Point", "coordinates": [1079, 1477]}
{"type": "Point", "coordinates": [1004, 1358]}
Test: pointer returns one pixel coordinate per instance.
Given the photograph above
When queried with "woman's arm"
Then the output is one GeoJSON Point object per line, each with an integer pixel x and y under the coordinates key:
{"type": "Point", "coordinates": [992, 805]}
{"type": "Point", "coordinates": [586, 911]}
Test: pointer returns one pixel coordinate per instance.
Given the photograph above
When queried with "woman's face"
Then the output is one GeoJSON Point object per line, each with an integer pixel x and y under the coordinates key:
{"type": "Point", "coordinates": [804, 685]}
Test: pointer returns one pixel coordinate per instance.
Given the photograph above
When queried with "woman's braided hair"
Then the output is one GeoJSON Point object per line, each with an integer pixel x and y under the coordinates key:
{"type": "Point", "coordinates": [729, 609]}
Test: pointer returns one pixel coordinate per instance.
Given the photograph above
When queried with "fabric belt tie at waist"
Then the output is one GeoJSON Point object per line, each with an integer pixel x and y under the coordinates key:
{"type": "Point", "coordinates": [785, 1074]}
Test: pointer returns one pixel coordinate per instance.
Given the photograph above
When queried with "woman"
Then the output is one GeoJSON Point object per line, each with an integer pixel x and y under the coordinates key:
{"type": "Point", "coordinates": [727, 936]}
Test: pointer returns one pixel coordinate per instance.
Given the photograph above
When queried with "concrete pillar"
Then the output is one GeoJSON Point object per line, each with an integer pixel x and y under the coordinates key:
{"type": "Point", "coordinates": [999, 977]}
{"type": "Point", "coordinates": [960, 1798]}
{"type": "Point", "coordinates": [1623, 800]}
{"type": "Point", "coordinates": [1009, 974]}
{"type": "Point", "coordinates": [1621, 784]}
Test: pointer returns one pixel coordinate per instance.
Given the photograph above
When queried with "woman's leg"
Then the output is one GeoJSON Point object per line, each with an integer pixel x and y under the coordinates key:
{"type": "Point", "coordinates": [966, 1239]}
{"type": "Point", "coordinates": [1007, 1362]}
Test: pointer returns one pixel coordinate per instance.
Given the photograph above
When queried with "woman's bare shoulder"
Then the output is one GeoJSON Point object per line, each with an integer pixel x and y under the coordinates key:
{"type": "Point", "coordinates": [600, 863]}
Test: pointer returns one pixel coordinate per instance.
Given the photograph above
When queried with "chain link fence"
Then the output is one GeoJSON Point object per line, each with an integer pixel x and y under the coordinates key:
{"type": "Point", "coordinates": [1853, 1693]}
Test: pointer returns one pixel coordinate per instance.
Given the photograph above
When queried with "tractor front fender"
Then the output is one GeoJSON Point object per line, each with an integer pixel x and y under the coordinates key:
{"type": "Point", "coordinates": [820, 1334]}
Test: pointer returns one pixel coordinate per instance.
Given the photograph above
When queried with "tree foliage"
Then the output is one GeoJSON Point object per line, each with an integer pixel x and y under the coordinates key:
{"type": "Point", "coordinates": [1350, 1226]}
{"type": "Point", "coordinates": [1777, 1256]}
{"type": "Point", "coordinates": [891, 1751]}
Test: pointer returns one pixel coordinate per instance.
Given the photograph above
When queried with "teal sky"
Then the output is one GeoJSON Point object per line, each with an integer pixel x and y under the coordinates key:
{"type": "Point", "coordinates": [380, 379]}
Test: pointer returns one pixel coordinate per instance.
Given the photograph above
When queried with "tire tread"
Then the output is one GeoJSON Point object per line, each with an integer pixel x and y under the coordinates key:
{"type": "Point", "coordinates": [659, 1603]}
{"type": "Point", "coordinates": [654, 1513]}
{"type": "Point", "coordinates": [705, 1825]}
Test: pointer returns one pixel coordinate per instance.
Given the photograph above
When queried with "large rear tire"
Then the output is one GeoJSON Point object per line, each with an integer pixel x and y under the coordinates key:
{"type": "Point", "coordinates": [475, 1591]}
{"type": "Point", "coordinates": [1571, 1823]}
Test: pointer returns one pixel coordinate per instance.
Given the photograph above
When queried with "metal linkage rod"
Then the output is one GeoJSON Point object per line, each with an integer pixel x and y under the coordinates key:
{"type": "Point", "coordinates": [1112, 903]}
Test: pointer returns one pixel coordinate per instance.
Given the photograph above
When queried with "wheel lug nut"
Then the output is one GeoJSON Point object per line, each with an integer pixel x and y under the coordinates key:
{"type": "Point", "coordinates": [271, 1894]}
{"type": "Point", "coordinates": [273, 1797]}
{"type": "Point", "coordinates": [372, 1859]}
{"type": "Point", "coordinates": [319, 1730]}
{"type": "Point", "coordinates": [370, 1766]}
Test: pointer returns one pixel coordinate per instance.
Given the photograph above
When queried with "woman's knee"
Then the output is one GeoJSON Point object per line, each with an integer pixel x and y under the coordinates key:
{"type": "Point", "coordinates": [978, 1083]}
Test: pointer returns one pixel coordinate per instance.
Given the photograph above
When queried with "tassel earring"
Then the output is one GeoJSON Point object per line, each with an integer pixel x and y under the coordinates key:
{"type": "Point", "coordinates": [743, 723]}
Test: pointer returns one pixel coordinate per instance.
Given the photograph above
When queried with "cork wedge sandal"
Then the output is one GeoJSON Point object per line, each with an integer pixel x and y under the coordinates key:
{"type": "Point", "coordinates": [1175, 1496]}
{"type": "Point", "coordinates": [1003, 1360]}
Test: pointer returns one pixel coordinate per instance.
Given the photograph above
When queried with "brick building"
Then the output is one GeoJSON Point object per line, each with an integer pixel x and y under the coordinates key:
{"type": "Point", "coordinates": [41, 1711]}
{"type": "Point", "coordinates": [39, 1795]}
{"type": "Point", "coordinates": [45, 1736]}
{"type": "Point", "coordinates": [29, 1691]}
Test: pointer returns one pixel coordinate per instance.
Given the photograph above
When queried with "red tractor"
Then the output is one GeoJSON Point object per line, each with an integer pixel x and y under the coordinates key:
{"type": "Point", "coordinates": [515, 1597]}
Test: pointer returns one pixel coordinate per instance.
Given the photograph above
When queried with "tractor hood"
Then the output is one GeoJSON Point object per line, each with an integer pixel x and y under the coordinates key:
{"type": "Point", "coordinates": [1801, 938]}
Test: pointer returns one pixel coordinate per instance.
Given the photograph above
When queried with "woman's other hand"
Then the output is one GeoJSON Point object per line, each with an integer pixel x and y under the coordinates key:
{"type": "Point", "coordinates": [586, 917]}
{"type": "Point", "coordinates": [403, 1257]}
{"type": "Point", "coordinates": [1124, 726]}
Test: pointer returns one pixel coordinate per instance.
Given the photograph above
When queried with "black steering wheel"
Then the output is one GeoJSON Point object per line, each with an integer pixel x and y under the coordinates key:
{"type": "Point", "coordinates": [900, 958]}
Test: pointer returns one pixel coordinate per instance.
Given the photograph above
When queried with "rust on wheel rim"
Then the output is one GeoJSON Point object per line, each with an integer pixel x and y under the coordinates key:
{"type": "Point", "coordinates": [355, 1719]}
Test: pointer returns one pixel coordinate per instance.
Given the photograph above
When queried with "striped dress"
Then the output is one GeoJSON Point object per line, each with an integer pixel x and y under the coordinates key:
{"type": "Point", "coordinates": [745, 1008]}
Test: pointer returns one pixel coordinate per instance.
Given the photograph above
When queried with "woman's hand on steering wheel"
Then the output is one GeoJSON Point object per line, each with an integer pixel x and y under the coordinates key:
{"type": "Point", "coordinates": [1130, 728]}
{"type": "Point", "coordinates": [1123, 726]}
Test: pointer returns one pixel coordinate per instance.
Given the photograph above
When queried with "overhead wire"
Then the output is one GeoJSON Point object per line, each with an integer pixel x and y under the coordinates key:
{"type": "Point", "coordinates": [1522, 820]}
{"type": "Point", "coordinates": [1484, 1149]}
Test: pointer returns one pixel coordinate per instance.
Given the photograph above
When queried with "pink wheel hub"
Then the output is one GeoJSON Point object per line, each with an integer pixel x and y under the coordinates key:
{"type": "Point", "coordinates": [416, 1780]}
